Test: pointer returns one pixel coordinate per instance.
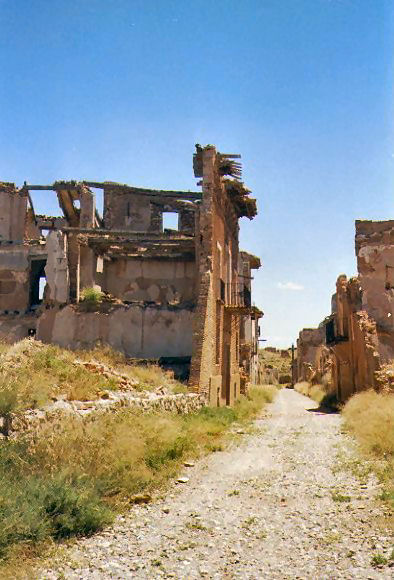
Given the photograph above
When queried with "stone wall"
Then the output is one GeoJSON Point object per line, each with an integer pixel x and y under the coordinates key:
{"type": "Point", "coordinates": [137, 331]}
{"type": "Point", "coordinates": [160, 281]}
{"type": "Point", "coordinates": [184, 403]}
{"type": "Point", "coordinates": [13, 207]}
{"type": "Point", "coordinates": [309, 344]}
{"type": "Point", "coordinates": [15, 267]}
{"type": "Point", "coordinates": [375, 263]}
{"type": "Point", "coordinates": [16, 327]}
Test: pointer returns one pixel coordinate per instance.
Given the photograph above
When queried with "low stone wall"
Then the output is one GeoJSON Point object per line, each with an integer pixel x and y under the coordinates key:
{"type": "Point", "coordinates": [183, 403]}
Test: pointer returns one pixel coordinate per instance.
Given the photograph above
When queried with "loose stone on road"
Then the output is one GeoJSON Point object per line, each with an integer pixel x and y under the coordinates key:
{"type": "Point", "coordinates": [276, 506]}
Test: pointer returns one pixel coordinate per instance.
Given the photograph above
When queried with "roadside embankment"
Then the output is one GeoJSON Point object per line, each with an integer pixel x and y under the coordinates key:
{"type": "Point", "coordinates": [369, 417]}
{"type": "Point", "coordinates": [71, 475]}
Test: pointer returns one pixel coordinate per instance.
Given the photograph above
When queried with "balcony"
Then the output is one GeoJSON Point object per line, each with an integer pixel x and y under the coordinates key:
{"type": "Point", "coordinates": [237, 299]}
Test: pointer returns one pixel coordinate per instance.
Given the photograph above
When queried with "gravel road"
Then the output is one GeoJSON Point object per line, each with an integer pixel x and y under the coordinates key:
{"type": "Point", "coordinates": [276, 506]}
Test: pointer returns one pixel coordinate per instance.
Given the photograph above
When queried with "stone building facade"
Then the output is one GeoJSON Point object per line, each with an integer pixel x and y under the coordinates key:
{"type": "Point", "coordinates": [355, 342]}
{"type": "Point", "coordinates": [181, 296]}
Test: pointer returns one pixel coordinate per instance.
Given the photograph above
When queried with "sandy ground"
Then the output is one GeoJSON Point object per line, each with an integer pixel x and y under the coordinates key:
{"type": "Point", "coordinates": [276, 506]}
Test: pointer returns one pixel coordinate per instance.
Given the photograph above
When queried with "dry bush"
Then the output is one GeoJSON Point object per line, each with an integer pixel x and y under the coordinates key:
{"type": "Point", "coordinates": [321, 393]}
{"type": "Point", "coordinates": [302, 387]}
{"type": "Point", "coordinates": [258, 396]}
{"type": "Point", "coordinates": [275, 361]}
{"type": "Point", "coordinates": [4, 347]}
{"type": "Point", "coordinates": [369, 416]}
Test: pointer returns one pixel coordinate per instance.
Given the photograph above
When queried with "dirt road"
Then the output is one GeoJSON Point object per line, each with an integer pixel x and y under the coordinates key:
{"type": "Point", "coordinates": [274, 507]}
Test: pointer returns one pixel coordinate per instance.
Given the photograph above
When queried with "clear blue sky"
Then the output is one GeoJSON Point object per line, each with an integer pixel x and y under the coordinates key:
{"type": "Point", "coordinates": [123, 89]}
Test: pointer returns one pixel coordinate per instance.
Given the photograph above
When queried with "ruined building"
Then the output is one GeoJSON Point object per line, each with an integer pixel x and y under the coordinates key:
{"type": "Point", "coordinates": [352, 345]}
{"type": "Point", "coordinates": [180, 295]}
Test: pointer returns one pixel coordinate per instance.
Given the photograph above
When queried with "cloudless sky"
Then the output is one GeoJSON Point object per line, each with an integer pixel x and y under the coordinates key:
{"type": "Point", "coordinates": [121, 90]}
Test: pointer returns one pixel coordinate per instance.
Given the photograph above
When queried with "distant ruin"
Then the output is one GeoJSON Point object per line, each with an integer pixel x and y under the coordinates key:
{"type": "Point", "coordinates": [354, 343]}
{"type": "Point", "coordinates": [181, 296]}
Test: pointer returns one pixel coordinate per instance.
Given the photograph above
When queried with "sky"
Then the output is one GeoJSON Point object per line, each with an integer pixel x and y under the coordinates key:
{"type": "Point", "coordinates": [121, 90]}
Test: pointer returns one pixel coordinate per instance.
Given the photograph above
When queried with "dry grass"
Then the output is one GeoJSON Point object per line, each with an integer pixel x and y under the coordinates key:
{"type": "Point", "coordinates": [4, 347]}
{"type": "Point", "coordinates": [35, 374]}
{"type": "Point", "coordinates": [149, 376]}
{"type": "Point", "coordinates": [315, 392]}
{"type": "Point", "coordinates": [72, 477]}
{"type": "Point", "coordinates": [277, 369]}
{"type": "Point", "coordinates": [32, 374]}
{"type": "Point", "coordinates": [319, 393]}
{"type": "Point", "coordinates": [276, 360]}
{"type": "Point", "coordinates": [369, 416]}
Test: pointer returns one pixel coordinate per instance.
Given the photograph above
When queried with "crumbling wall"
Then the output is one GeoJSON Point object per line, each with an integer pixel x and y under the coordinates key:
{"type": "Point", "coordinates": [215, 362]}
{"type": "Point", "coordinates": [126, 210]}
{"type": "Point", "coordinates": [150, 280]}
{"type": "Point", "coordinates": [352, 337]}
{"type": "Point", "coordinates": [309, 343]}
{"type": "Point", "coordinates": [14, 278]}
{"type": "Point", "coordinates": [13, 206]}
{"type": "Point", "coordinates": [56, 268]}
{"type": "Point", "coordinates": [167, 294]}
{"type": "Point", "coordinates": [137, 331]}
{"type": "Point", "coordinates": [375, 263]}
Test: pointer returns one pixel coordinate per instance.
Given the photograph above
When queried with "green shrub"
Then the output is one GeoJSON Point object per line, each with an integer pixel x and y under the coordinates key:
{"type": "Point", "coordinates": [73, 507]}
{"type": "Point", "coordinates": [91, 295]}
{"type": "Point", "coordinates": [36, 508]}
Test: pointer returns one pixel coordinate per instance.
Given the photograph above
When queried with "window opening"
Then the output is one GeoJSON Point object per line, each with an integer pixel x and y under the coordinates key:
{"type": "Point", "coordinates": [99, 200]}
{"type": "Point", "coordinates": [37, 282]}
{"type": "Point", "coordinates": [45, 202]}
{"type": "Point", "coordinates": [170, 220]}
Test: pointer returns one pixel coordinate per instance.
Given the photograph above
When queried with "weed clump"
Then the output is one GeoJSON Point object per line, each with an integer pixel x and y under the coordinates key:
{"type": "Point", "coordinates": [91, 295]}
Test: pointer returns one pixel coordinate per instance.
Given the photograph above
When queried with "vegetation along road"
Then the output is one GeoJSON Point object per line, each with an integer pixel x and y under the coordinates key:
{"type": "Point", "coordinates": [282, 504]}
